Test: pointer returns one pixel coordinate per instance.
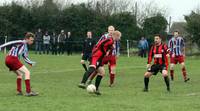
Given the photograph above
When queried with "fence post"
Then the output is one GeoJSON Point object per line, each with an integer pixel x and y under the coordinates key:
{"type": "Point", "coordinates": [5, 42]}
{"type": "Point", "coordinates": [127, 44]}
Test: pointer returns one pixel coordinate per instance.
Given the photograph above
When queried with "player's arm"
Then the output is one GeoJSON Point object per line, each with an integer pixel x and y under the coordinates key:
{"type": "Point", "coordinates": [166, 50]}
{"type": "Point", "coordinates": [11, 43]}
{"type": "Point", "coordinates": [84, 46]}
{"type": "Point", "coordinates": [26, 59]}
{"type": "Point", "coordinates": [150, 57]}
{"type": "Point", "coordinates": [183, 46]}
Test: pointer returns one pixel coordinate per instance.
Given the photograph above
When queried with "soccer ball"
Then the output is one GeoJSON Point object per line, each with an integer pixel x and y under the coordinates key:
{"type": "Point", "coordinates": [91, 88]}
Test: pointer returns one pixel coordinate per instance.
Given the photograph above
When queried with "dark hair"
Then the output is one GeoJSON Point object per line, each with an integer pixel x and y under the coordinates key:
{"type": "Point", "coordinates": [158, 35]}
{"type": "Point", "coordinates": [29, 34]}
{"type": "Point", "coordinates": [177, 31]}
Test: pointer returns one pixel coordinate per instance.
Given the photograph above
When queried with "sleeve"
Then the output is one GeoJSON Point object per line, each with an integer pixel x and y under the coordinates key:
{"type": "Point", "coordinates": [170, 44]}
{"type": "Point", "coordinates": [117, 48]}
{"type": "Point", "coordinates": [84, 44]}
{"type": "Point", "coordinates": [11, 43]}
{"type": "Point", "coordinates": [150, 55]}
{"type": "Point", "coordinates": [166, 49]}
{"type": "Point", "coordinates": [26, 59]}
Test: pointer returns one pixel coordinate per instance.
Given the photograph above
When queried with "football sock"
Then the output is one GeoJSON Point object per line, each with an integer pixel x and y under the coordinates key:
{"type": "Point", "coordinates": [19, 84]}
{"type": "Point", "coordinates": [112, 78]}
{"type": "Point", "coordinates": [184, 73]}
{"type": "Point", "coordinates": [146, 82]}
{"type": "Point", "coordinates": [172, 74]}
{"type": "Point", "coordinates": [87, 74]}
{"type": "Point", "coordinates": [28, 86]}
{"type": "Point", "coordinates": [93, 75]}
{"type": "Point", "coordinates": [84, 66]}
{"type": "Point", "coordinates": [166, 81]}
{"type": "Point", "coordinates": [98, 81]}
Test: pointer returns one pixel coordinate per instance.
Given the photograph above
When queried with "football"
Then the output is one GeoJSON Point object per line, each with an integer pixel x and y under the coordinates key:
{"type": "Point", "coordinates": [91, 88]}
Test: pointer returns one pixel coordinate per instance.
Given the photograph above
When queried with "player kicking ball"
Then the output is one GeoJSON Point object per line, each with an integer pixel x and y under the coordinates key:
{"type": "Point", "coordinates": [98, 53]}
{"type": "Point", "coordinates": [159, 53]}
{"type": "Point", "coordinates": [20, 48]}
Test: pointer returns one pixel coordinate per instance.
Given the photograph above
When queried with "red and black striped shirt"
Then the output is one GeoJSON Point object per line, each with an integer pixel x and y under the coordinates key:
{"type": "Point", "coordinates": [159, 54]}
{"type": "Point", "coordinates": [104, 46]}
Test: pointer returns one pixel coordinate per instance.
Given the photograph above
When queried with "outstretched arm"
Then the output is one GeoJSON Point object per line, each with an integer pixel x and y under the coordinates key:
{"type": "Point", "coordinates": [27, 60]}
{"type": "Point", "coordinates": [11, 43]}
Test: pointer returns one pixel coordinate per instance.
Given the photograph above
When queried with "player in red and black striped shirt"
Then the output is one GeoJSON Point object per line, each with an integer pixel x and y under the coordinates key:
{"type": "Point", "coordinates": [98, 53]}
{"type": "Point", "coordinates": [159, 53]}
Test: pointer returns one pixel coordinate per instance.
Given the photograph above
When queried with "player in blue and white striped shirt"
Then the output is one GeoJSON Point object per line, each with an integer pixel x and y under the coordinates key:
{"type": "Point", "coordinates": [177, 54]}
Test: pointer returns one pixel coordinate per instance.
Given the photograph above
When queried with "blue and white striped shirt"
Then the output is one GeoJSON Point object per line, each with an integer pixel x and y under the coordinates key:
{"type": "Point", "coordinates": [19, 48]}
{"type": "Point", "coordinates": [176, 45]}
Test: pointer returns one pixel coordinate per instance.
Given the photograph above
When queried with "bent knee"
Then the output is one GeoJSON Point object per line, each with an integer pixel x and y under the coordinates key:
{"type": "Point", "coordinates": [82, 62]}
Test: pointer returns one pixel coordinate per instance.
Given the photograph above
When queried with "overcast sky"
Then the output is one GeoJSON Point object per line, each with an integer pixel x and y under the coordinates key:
{"type": "Point", "coordinates": [176, 8]}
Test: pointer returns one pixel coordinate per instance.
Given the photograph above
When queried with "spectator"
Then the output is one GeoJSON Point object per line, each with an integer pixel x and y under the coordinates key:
{"type": "Point", "coordinates": [54, 44]}
{"type": "Point", "coordinates": [143, 47]}
{"type": "Point", "coordinates": [46, 43]}
{"type": "Point", "coordinates": [69, 43]}
{"type": "Point", "coordinates": [38, 41]}
{"type": "Point", "coordinates": [61, 42]}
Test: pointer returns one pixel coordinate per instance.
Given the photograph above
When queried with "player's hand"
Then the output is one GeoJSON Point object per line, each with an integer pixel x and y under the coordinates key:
{"type": "Point", "coordinates": [148, 66]}
{"type": "Point", "coordinates": [81, 54]}
{"type": "Point", "coordinates": [168, 55]}
{"type": "Point", "coordinates": [33, 64]}
{"type": "Point", "coordinates": [184, 56]}
{"type": "Point", "coordinates": [173, 55]}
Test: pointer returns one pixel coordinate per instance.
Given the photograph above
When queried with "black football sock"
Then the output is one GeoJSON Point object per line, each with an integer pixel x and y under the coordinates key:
{"type": "Point", "coordinates": [87, 74]}
{"type": "Point", "coordinates": [146, 82]}
{"type": "Point", "coordinates": [166, 81]}
{"type": "Point", "coordinates": [84, 66]}
{"type": "Point", "coordinates": [98, 81]}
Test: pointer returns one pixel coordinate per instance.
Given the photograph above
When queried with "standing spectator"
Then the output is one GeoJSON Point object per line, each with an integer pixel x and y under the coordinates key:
{"type": "Point", "coordinates": [61, 42]}
{"type": "Point", "coordinates": [69, 43]}
{"type": "Point", "coordinates": [38, 41]}
{"type": "Point", "coordinates": [143, 47]}
{"type": "Point", "coordinates": [46, 43]}
{"type": "Point", "coordinates": [54, 44]}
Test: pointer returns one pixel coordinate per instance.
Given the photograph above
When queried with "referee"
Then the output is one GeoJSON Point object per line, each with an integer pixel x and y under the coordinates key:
{"type": "Point", "coordinates": [88, 45]}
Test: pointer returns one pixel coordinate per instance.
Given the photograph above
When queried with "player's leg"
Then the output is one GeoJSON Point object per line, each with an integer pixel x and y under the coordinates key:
{"type": "Point", "coordinates": [184, 72]}
{"type": "Point", "coordinates": [172, 71]}
{"type": "Point", "coordinates": [112, 68]}
{"type": "Point", "coordinates": [166, 78]}
{"type": "Point", "coordinates": [19, 82]}
{"type": "Point", "coordinates": [147, 75]}
{"type": "Point", "coordinates": [26, 73]}
{"type": "Point", "coordinates": [101, 73]}
{"type": "Point", "coordinates": [92, 76]}
{"type": "Point", "coordinates": [84, 58]}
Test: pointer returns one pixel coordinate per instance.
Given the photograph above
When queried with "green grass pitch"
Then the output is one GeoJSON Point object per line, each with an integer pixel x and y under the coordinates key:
{"type": "Point", "coordinates": [56, 79]}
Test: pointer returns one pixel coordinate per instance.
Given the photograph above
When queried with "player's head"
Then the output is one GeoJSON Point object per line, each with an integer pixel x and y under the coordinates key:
{"type": "Point", "coordinates": [116, 35]}
{"type": "Point", "coordinates": [157, 39]}
{"type": "Point", "coordinates": [29, 37]}
{"type": "Point", "coordinates": [176, 33]}
{"type": "Point", "coordinates": [89, 34]}
{"type": "Point", "coordinates": [111, 29]}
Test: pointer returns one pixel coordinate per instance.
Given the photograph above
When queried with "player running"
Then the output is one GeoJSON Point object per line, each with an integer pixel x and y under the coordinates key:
{"type": "Point", "coordinates": [177, 54]}
{"type": "Point", "coordinates": [98, 54]}
{"type": "Point", "coordinates": [110, 58]}
{"type": "Point", "coordinates": [20, 48]}
{"type": "Point", "coordinates": [158, 52]}
{"type": "Point", "coordinates": [87, 49]}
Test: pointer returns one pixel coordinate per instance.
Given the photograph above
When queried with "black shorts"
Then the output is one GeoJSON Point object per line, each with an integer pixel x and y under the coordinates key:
{"type": "Point", "coordinates": [86, 56]}
{"type": "Point", "coordinates": [155, 68]}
